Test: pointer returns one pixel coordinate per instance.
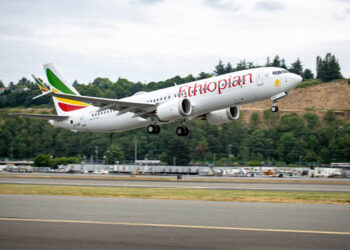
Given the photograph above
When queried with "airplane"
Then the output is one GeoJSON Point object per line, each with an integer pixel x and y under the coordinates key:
{"type": "Point", "coordinates": [216, 100]}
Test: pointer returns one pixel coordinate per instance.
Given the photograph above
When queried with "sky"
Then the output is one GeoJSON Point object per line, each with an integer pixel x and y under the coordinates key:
{"type": "Point", "coordinates": [153, 40]}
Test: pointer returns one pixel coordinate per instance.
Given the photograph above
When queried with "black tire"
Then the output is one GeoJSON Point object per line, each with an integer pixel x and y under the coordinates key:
{"type": "Point", "coordinates": [179, 131]}
{"type": "Point", "coordinates": [186, 131]}
{"type": "Point", "coordinates": [157, 130]}
{"type": "Point", "coordinates": [151, 129]}
{"type": "Point", "coordinates": [274, 109]}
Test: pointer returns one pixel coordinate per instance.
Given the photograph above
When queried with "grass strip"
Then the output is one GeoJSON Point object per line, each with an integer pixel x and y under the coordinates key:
{"type": "Point", "coordinates": [181, 194]}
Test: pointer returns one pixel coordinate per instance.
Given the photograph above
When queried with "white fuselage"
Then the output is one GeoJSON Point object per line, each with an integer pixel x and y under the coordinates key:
{"type": "Point", "coordinates": [205, 95]}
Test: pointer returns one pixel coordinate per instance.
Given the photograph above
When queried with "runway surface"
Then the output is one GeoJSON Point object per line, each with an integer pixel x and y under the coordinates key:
{"type": "Point", "coordinates": [61, 222]}
{"type": "Point", "coordinates": [181, 184]}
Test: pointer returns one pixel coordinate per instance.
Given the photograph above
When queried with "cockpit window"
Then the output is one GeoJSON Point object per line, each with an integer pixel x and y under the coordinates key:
{"type": "Point", "coordinates": [279, 72]}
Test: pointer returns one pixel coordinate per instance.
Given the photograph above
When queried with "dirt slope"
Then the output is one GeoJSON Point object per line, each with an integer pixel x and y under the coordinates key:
{"type": "Point", "coordinates": [317, 99]}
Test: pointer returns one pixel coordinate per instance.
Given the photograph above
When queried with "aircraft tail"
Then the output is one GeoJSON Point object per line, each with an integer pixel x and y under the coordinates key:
{"type": "Point", "coordinates": [42, 86]}
{"type": "Point", "coordinates": [59, 84]}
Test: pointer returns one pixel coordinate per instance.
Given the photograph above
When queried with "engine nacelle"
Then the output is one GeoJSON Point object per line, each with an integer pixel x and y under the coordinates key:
{"type": "Point", "coordinates": [222, 116]}
{"type": "Point", "coordinates": [174, 110]}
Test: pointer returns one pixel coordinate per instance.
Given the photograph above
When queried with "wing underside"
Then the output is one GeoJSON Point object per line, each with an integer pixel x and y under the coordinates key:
{"type": "Point", "coordinates": [141, 109]}
{"type": "Point", "coordinates": [42, 116]}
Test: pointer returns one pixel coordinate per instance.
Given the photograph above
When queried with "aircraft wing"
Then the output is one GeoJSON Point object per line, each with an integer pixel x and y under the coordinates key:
{"type": "Point", "coordinates": [139, 108]}
{"type": "Point", "coordinates": [42, 116]}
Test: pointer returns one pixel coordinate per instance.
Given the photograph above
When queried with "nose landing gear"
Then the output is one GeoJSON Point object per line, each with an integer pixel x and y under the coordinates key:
{"type": "Point", "coordinates": [153, 129]}
{"type": "Point", "coordinates": [275, 98]}
{"type": "Point", "coordinates": [274, 107]}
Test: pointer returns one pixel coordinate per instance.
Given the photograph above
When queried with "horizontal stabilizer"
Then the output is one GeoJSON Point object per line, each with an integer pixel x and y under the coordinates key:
{"type": "Point", "coordinates": [42, 116]}
{"type": "Point", "coordinates": [41, 95]}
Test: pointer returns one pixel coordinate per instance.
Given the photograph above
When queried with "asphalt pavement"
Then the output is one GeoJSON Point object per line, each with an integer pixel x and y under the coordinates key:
{"type": "Point", "coordinates": [65, 222]}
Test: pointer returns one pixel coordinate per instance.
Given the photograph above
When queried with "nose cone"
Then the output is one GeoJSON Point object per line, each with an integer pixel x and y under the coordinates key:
{"type": "Point", "coordinates": [296, 79]}
{"type": "Point", "coordinates": [299, 79]}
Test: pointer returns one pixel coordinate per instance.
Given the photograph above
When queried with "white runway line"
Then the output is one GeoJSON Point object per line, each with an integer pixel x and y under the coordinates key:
{"type": "Point", "coordinates": [176, 226]}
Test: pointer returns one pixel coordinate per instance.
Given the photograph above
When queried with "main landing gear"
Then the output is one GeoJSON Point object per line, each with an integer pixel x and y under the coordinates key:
{"type": "Point", "coordinates": [153, 129]}
{"type": "Point", "coordinates": [182, 131]}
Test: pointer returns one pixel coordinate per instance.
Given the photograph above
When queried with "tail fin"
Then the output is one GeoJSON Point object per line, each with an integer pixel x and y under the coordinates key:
{"type": "Point", "coordinates": [42, 86]}
{"type": "Point", "coordinates": [58, 83]}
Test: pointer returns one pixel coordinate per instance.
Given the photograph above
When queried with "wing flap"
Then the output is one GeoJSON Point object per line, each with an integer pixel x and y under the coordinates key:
{"type": "Point", "coordinates": [100, 102]}
{"type": "Point", "coordinates": [142, 108]}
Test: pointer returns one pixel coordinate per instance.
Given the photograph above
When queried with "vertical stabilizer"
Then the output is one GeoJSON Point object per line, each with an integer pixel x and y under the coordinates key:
{"type": "Point", "coordinates": [59, 84]}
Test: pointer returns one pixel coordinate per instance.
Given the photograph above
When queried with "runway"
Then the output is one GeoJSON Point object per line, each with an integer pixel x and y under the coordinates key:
{"type": "Point", "coordinates": [312, 187]}
{"type": "Point", "coordinates": [57, 222]}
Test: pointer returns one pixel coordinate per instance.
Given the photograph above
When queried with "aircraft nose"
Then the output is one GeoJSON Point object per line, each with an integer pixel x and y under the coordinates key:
{"type": "Point", "coordinates": [296, 79]}
{"type": "Point", "coordinates": [299, 79]}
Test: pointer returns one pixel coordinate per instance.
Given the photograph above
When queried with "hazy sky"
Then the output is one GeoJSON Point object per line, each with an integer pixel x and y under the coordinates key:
{"type": "Point", "coordinates": [145, 40]}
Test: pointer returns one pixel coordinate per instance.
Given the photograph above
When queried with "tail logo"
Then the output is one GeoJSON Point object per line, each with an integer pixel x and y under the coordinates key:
{"type": "Point", "coordinates": [58, 86]}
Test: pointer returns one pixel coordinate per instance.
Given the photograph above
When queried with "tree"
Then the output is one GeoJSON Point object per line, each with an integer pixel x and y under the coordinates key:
{"type": "Point", "coordinates": [241, 65]}
{"type": "Point", "coordinates": [42, 160]}
{"type": "Point", "coordinates": [1, 84]}
{"type": "Point", "coordinates": [268, 62]}
{"type": "Point", "coordinates": [297, 67]}
{"type": "Point", "coordinates": [283, 63]}
{"type": "Point", "coordinates": [307, 74]}
{"type": "Point", "coordinates": [201, 149]}
{"type": "Point", "coordinates": [220, 69]}
{"type": "Point", "coordinates": [276, 61]}
{"type": "Point", "coordinates": [203, 75]}
{"type": "Point", "coordinates": [310, 156]}
{"type": "Point", "coordinates": [329, 117]}
{"type": "Point", "coordinates": [286, 145]}
{"type": "Point", "coordinates": [228, 68]}
{"type": "Point", "coordinates": [114, 153]}
{"type": "Point", "coordinates": [312, 120]}
{"type": "Point", "coordinates": [328, 69]}
{"type": "Point", "coordinates": [254, 121]}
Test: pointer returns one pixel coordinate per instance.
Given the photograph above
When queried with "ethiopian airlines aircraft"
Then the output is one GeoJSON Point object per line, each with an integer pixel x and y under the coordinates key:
{"type": "Point", "coordinates": [215, 100]}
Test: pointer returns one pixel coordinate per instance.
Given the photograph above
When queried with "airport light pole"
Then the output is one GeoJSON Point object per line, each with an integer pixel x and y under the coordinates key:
{"type": "Point", "coordinates": [229, 153]}
{"type": "Point", "coordinates": [12, 150]}
{"type": "Point", "coordinates": [146, 158]}
{"type": "Point", "coordinates": [135, 156]}
{"type": "Point", "coordinates": [96, 152]}
{"type": "Point", "coordinates": [300, 157]}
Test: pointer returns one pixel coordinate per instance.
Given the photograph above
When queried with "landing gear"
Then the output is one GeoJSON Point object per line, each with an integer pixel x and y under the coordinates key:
{"type": "Point", "coordinates": [275, 98]}
{"type": "Point", "coordinates": [274, 108]}
{"type": "Point", "coordinates": [153, 129]}
{"type": "Point", "coordinates": [182, 131]}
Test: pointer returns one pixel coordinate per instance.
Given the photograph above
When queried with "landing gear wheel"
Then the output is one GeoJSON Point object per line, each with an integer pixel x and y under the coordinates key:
{"type": "Point", "coordinates": [179, 131]}
{"type": "Point", "coordinates": [274, 108]}
{"type": "Point", "coordinates": [182, 131]}
{"type": "Point", "coordinates": [185, 131]}
{"type": "Point", "coordinates": [157, 129]}
{"type": "Point", "coordinates": [153, 129]}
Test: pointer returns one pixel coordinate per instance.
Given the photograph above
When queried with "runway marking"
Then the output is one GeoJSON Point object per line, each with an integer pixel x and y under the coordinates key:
{"type": "Point", "coordinates": [177, 186]}
{"type": "Point", "coordinates": [176, 226]}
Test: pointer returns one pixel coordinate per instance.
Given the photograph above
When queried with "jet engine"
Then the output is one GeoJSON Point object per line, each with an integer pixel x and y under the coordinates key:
{"type": "Point", "coordinates": [174, 110]}
{"type": "Point", "coordinates": [222, 115]}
